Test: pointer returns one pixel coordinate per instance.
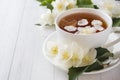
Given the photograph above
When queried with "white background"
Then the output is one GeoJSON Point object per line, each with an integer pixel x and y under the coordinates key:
{"type": "Point", "coordinates": [21, 56]}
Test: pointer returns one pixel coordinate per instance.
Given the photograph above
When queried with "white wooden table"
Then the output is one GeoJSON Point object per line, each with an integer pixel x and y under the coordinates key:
{"type": "Point", "coordinates": [21, 56]}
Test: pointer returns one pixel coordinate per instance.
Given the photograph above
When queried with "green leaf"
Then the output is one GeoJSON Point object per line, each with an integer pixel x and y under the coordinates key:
{"type": "Point", "coordinates": [46, 3]}
{"type": "Point", "coordinates": [38, 24]}
{"type": "Point", "coordinates": [49, 6]}
{"type": "Point", "coordinates": [101, 51]}
{"type": "Point", "coordinates": [95, 66]}
{"type": "Point", "coordinates": [116, 31]}
{"type": "Point", "coordinates": [40, 0]}
{"type": "Point", "coordinates": [116, 22]}
{"type": "Point", "coordinates": [75, 72]}
{"type": "Point", "coordinates": [85, 3]}
{"type": "Point", "coordinates": [103, 54]}
{"type": "Point", "coordinates": [96, 7]}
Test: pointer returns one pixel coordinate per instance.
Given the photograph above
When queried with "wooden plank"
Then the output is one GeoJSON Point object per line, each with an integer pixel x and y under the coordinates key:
{"type": "Point", "coordinates": [90, 77]}
{"type": "Point", "coordinates": [107, 75]}
{"type": "Point", "coordinates": [10, 18]}
{"type": "Point", "coordinates": [116, 73]}
{"type": "Point", "coordinates": [29, 62]}
{"type": "Point", "coordinates": [60, 74]}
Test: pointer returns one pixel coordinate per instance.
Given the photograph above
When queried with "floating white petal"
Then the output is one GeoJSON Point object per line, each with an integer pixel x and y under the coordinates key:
{"type": "Point", "coordinates": [86, 30]}
{"type": "Point", "coordinates": [70, 28]}
{"type": "Point", "coordinates": [98, 27]}
{"type": "Point", "coordinates": [82, 22]}
{"type": "Point", "coordinates": [96, 22]}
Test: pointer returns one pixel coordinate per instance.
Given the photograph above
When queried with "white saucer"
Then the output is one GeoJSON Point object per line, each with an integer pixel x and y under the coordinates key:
{"type": "Point", "coordinates": [53, 37]}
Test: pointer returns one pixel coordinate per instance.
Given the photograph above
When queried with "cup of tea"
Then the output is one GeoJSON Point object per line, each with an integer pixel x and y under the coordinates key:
{"type": "Point", "coordinates": [86, 26]}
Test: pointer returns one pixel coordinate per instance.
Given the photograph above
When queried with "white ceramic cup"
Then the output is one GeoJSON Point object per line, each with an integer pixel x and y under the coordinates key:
{"type": "Point", "coordinates": [89, 40]}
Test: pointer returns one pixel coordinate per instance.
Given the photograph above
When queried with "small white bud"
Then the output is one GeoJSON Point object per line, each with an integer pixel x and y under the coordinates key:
{"type": "Point", "coordinates": [82, 22]}
{"type": "Point", "coordinates": [70, 28]}
{"type": "Point", "coordinates": [93, 29]}
{"type": "Point", "coordinates": [96, 22]}
{"type": "Point", "coordinates": [86, 30]}
{"type": "Point", "coordinates": [98, 27]}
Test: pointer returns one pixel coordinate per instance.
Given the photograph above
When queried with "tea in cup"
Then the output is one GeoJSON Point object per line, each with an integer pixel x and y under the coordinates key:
{"type": "Point", "coordinates": [86, 26]}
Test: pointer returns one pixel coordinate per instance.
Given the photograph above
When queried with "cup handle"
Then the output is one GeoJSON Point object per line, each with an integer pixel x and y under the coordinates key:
{"type": "Point", "coordinates": [115, 30]}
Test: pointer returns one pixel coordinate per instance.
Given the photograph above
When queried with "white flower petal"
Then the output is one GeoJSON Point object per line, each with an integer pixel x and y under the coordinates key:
{"type": "Point", "coordinates": [92, 53]}
{"type": "Point", "coordinates": [93, 29]}
{"type": "Point", "coordinates": [80, 29]}
{"type": "Point", "coordinates": [98, 27]}
{"type": "Point", "coordinates": [47, 18]}
{"type": "Point", "coordinates": [52, 48]}
{"type": "Point", "coordinates": [70, 28]}
{"type": "Point", "coordinates": [104, 4]}
{"type": "Point", "coordinates": [64, 54]}
{"type": "Point", "coordinates": [116, 10]}
{"type": "Point", "coordinates": [89, 58]}
{"type": "Point", "coordinates": [111, 7]}
{"type": "Point", "coordinates": [82, 22]}
{"type": "Point", "coordinates": [71, 4]}
{"type": "Point", "coordinates": [86, 30]}
{"type": "Point", "coordinates": [77, 56]}
{"type": "Point", "coordinates": [59, 5]}
{"type": "Point", "coordinates": [71, 56]}
{"type": "Point", "coordinates": [96, 22]}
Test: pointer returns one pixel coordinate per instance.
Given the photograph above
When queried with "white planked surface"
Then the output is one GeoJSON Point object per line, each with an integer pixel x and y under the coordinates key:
{"type": "Point", "coordinates": [10, 20]}
{"type": "Point", "coordinates": [21, 42]}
